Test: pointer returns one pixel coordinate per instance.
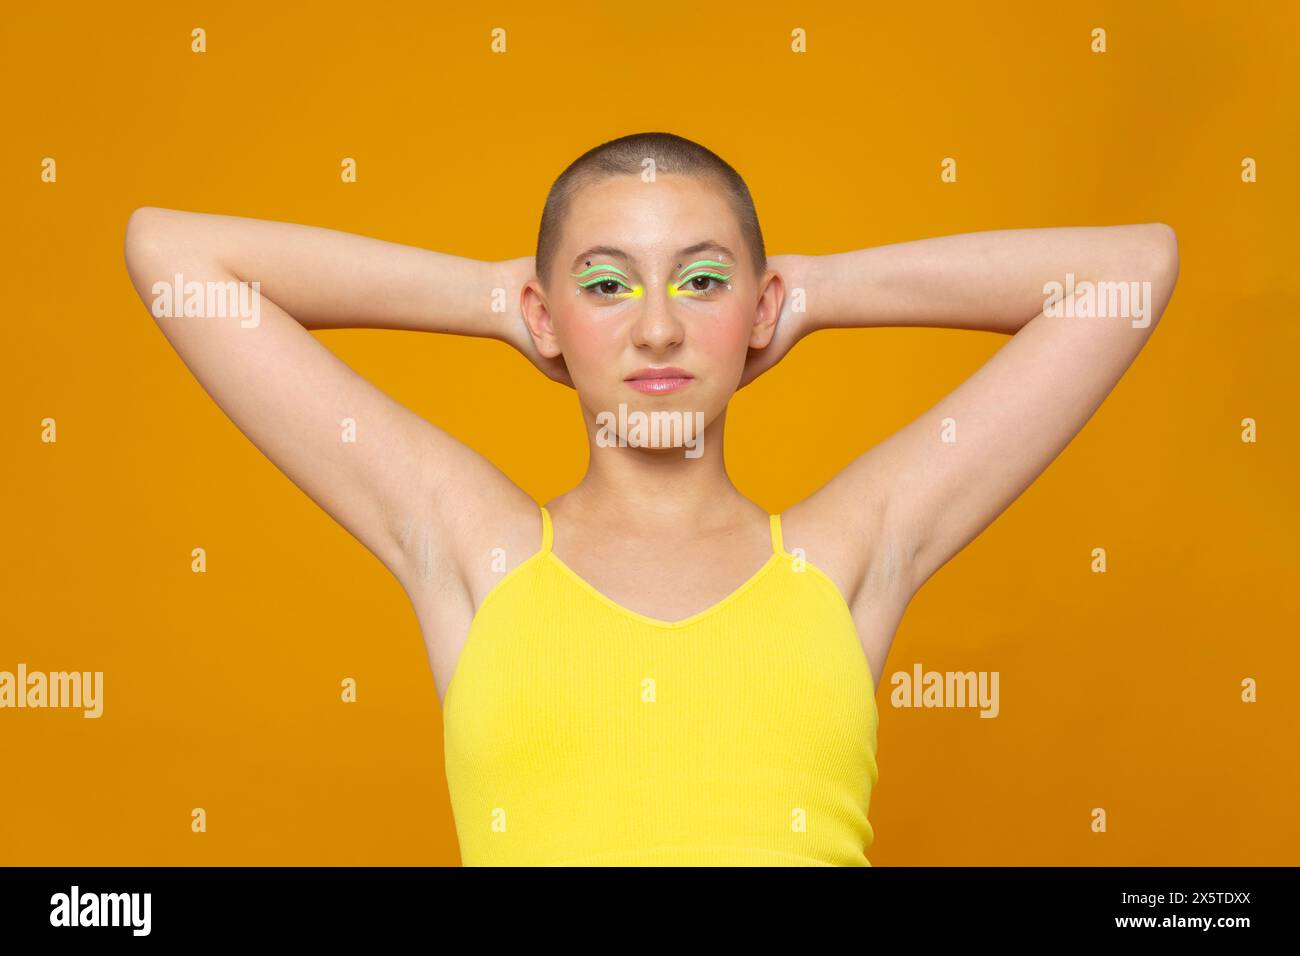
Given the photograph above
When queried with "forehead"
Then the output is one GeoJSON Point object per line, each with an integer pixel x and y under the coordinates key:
{"type": "Point", "coordinates": [649, 220]}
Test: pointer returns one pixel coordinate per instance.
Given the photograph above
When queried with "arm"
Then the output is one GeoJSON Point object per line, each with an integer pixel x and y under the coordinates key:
{"type": "Point", "coordinates": [914, 500]}
{"type": "Point", "coordinates": [397, 487]}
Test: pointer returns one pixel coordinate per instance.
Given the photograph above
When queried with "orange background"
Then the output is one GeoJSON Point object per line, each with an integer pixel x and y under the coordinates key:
{"type": "Point", "coordinates": [1119, 691]}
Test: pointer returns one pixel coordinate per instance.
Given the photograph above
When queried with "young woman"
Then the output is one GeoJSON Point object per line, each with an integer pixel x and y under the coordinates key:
{"type": "Point", "coordinates": [651, 669]}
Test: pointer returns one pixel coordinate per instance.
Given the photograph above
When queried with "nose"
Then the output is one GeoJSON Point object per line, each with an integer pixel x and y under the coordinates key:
{"type": "Point", "coordinates": [656, 328]}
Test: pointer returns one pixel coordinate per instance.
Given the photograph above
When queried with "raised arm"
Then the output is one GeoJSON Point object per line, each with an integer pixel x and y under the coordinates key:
{"type": "Point", "coordinates": [395, 481]}
{"type": "Point", "coordinates": [914, 500]}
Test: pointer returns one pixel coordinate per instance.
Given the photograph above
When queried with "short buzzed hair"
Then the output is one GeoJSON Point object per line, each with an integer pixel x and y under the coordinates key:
{"type": "Point", "coordinates": [625, 156]}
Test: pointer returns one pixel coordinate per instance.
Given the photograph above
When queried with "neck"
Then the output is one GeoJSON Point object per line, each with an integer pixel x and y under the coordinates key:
{"type": "Point", "coordinates": [648, 490]}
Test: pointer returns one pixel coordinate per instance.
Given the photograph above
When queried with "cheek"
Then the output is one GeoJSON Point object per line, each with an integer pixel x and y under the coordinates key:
{"type": "Point", "coordinates": [587, 342]}
{"type": "Point", "coordinates": [590, 344]}
{"type": "Point", "coordinates": [725, 340]}
{"type": "Point", "coordinates": [591, 349]}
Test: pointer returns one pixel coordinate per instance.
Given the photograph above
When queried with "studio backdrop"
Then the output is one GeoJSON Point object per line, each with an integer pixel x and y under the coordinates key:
{"type": "Point", "coordinates": [1146, 710]}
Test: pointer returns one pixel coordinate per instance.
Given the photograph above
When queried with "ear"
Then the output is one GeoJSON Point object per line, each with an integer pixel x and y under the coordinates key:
{"type": "Point", "coordinates": [537, 316]}
{"type": "Point", "coordinates": [771, 295]}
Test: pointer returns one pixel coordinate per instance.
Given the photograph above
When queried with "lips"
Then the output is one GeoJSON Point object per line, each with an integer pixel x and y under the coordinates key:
{"type": "Point", "coordinates": [657, 381]}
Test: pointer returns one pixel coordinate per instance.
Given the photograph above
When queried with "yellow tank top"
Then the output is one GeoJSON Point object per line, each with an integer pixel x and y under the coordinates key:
{"type": "Point", "coordinates": [579, 732]}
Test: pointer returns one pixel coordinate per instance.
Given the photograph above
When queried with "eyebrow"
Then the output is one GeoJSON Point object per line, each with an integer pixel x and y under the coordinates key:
{"type": "Point", "coordinates": [615, 252]}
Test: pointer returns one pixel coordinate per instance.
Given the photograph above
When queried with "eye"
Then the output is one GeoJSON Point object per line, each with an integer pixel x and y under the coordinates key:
{"type": "Point", "coordinates": [706, 287]}
{"type": "Point", "coordinates": [704, 283]}
{"type": "Point", "coordinates": [604, 281]}
{"type": "Point", "coordinates": [607, 287]}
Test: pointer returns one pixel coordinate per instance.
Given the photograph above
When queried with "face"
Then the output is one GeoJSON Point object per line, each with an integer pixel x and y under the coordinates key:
{"type": "Point", "coordinates": [653, 279]}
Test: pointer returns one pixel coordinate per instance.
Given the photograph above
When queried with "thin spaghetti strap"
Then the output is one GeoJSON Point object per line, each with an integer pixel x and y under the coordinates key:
{"type": "Point", "coordinates": [778, 543]}
{"type": "Point", "coordinates": [547, 531]}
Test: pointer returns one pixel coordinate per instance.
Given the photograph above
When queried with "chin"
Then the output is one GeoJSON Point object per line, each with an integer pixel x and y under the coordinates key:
{"type": "Point", "coordinates": [667, 422]}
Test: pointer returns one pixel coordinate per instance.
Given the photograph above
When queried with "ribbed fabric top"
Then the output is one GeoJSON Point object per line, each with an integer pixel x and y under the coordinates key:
{"type": "Point", "coordinates": [579, 732]}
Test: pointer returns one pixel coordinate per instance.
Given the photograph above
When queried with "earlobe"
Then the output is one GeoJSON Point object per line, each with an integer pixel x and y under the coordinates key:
{"type": "Point", "coordinates": [762, 335]}
{"type": "Point", "coordinates": [764, 329]}
{"type": "Point", "coordinates": [547, 346]}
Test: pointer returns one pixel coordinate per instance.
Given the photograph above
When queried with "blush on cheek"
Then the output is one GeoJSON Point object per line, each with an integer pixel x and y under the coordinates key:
{"type": "Point", "coordinates": [591, 349]}
{"type": "Point", "coordinates": [726, 342]}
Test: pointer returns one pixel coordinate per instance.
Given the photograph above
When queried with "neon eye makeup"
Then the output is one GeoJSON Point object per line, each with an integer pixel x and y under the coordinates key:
{"type": "Point", "coordinates": [701, 268]}
{"type": "Point", "coordinates": [595, 276]}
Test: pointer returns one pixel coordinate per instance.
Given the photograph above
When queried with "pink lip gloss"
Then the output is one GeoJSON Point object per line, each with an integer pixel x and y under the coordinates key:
{"type": "Point", "coordinates": [658, 386]}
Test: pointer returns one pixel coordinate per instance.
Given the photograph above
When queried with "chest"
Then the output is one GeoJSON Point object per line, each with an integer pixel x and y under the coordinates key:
{"type": "Point", "coordinates": [567, 707]}
{"type": "Point", "coordinates": [663, 583]}
{"type": "Point", "coordinates": [551, 637]}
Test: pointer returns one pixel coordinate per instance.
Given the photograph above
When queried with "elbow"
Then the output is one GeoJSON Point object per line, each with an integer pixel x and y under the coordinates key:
{"type": "Point", "coordinates": [150, 244]}
{"type": "Point", "coordinates": [1163, 250]}
{"type": "Point", "coordinates": [141, 234]}
{"type": "Point", "coordinates": [147, 248]}
{"type": "Point", "coordinates": [1159, 255]}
